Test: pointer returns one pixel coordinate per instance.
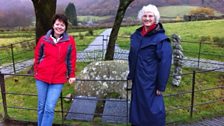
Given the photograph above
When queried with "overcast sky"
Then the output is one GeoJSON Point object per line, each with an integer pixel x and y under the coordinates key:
{"type": "Point", "coordinates": [21, 4]}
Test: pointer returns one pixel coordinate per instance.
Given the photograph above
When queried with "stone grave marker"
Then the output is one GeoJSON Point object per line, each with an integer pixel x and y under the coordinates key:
{"type": "Point", "coordinates": [115, 111]}
{"type": "Point", "coordinates": [82, 108]}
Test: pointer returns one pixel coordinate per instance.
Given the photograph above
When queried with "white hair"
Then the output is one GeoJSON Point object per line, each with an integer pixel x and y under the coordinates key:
{"type": "Point", "coordinates": [151, 8]}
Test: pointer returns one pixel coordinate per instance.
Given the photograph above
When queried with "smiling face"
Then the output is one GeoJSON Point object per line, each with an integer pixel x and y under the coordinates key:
{"type": "Point", "coordinates": [59, 28]}
{"type": "Point", "coordinates": [148, 18]}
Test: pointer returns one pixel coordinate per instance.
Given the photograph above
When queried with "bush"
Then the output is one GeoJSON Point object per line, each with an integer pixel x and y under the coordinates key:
{"type": "Point", "coordinates": [205, 39]}
{"type": "Point", "coordinates": [203, 10]}
{"type": "Point", "coordinates": [90, 32]}
{"type": "Point", "coordinates": [81, 36]}
{"type": "Point", "coordinates": [219, 41]}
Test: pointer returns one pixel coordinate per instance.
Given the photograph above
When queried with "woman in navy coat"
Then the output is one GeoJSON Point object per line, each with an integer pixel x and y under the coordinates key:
{"type": "Point", "coordinates": [149, 64]}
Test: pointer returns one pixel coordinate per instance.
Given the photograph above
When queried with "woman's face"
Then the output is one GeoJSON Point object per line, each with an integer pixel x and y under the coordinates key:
{"type": "Point", "coordinates": [148, 18]}
{"type": "Point", "coordinates": [59, 28]}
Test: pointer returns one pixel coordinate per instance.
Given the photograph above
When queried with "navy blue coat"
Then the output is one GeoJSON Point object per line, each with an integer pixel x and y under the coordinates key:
{"type": "Point", "coordinates": [149, 65]}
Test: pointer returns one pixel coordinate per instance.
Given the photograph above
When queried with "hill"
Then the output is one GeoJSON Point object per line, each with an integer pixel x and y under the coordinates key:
{"type": "Point", "coordinates": [109, 7]}
{"type": "Point", "coordinates": [21, 12]}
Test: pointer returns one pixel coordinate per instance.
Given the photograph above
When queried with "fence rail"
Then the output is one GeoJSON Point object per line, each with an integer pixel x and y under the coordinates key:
{"type": "Point", "coordinates": [13, 54]}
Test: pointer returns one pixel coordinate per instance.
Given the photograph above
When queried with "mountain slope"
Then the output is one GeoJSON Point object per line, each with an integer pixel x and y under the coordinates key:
{"type": "Point", "coordinates": [109, 7]}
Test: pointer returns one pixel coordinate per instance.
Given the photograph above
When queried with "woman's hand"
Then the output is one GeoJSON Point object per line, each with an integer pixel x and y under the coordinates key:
{"type": "Point", "coordinates": [71, 80]}
{"type": "Point", "coordinates": [158, 92]}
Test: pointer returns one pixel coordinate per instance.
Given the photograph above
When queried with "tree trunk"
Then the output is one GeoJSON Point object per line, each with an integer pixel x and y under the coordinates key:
{"type": "Point", "coordinates": [44, 11]}
{"type": "Point", "coordinates": [117, 23]}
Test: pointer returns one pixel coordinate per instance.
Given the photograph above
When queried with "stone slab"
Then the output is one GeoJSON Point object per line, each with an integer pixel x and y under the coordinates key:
{"type": "Point", "coordinates": [82, 108]}
{"type": "Point", "coordinates": [115, 111]}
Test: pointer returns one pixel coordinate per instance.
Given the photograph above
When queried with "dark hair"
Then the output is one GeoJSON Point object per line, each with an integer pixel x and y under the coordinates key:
{"type": "Point", "coordinates": [60, 17]}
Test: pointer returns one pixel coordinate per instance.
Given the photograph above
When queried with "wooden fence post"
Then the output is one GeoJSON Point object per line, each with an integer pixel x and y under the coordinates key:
{"type": "Point", "coordinates": [3, 93]}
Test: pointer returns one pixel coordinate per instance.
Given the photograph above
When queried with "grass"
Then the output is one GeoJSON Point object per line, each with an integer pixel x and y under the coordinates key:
{"type": "Point", "coordinates": [92, 18]}
{"type": "Point", "coordinates": [11, 37]}
{"type": "Point", "coordinates": [26, 85]}
{"type": "Point", "coordinates": [24, 51]}
{"type": "Point", "coordinates": [178, 11]}
{"type": "Point", "coordinates": [191, 34]}
{"type": "Point", "coordinates": [206, 80]}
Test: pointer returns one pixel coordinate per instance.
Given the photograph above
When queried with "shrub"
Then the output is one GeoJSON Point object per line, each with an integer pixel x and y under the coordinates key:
{"type": "Point", "coordinates": [203, 10]}
{"type": "Point", "coordinates": [81, 36]}
{"type": "Point", "coordinates": [90, 32]}
{"type": "Point", "coordinates": [205, 39]}
{"type": "Point", "coordinates": [219, 41]}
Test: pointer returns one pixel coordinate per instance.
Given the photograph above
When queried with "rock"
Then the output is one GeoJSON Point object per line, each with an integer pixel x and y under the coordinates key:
{"type": "Point", "coordinates": [68, 97]}
{"type": "Point", "coordinates": [103, 78]}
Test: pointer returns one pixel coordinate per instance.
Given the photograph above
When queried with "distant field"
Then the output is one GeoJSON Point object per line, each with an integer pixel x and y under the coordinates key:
{"type": "Point", "coordinates": [10, 37]}
{"type": "Point", "coordinates": [180, 11]}
{"type": "Point", "coordinates": [191, 31]}
{"type": "Point", "coordinates": [191, 34]}
{"type": "Point", "coordinates": [92, 18]}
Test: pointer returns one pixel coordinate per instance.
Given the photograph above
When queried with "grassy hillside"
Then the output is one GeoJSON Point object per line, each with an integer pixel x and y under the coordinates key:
{"type": "Point", "coordinates": [187, 30]}
{"type": "Point", "coordinates": [181, 10]}
{"type": "Point", "coordinates": [191, 33]}
{"type": "Point", "coordinates": [92, 18]}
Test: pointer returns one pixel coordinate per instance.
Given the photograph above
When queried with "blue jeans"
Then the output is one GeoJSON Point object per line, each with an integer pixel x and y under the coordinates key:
{"type": "Point", "coordinates": [48, 95]}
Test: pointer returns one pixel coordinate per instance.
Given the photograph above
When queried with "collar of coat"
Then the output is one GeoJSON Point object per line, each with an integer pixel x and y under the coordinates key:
{"type": "Point", "coordinates": [154, 37]}
{"type": "Point", "coordinates": [48, 38]}
{"type": "Point", "coordinates": [159, 29]}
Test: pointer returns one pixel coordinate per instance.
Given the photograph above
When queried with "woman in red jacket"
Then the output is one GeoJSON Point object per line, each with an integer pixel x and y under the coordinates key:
{"type": "Point", "coordinates": [55, 61]}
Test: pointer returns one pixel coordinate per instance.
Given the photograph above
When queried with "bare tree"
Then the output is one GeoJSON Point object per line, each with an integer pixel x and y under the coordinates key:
{"type": "Point", "coordinates": [117, 23]}
{"type": "Point", "coordinates": [44, 11]}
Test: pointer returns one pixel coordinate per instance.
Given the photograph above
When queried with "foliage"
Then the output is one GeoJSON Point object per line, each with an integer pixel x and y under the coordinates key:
{"type": "Point", "coordinates": [219, 41]}
{"type": "Point", "coordinates": [174, 11]}
{"type": "Point", "coordinates": [205, 39]}
{"type": "Point", "coordinates": [70, 12]}
{"type": "Point", "coordinates": [90, 32]}
{"type": "Point", "coordinates": [203, 10]}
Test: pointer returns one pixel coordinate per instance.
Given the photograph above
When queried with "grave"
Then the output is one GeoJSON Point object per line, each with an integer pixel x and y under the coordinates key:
{"type": "Point", "coordinates": [115, 111]}
{"type": "Point", "coordinates": [82, 108]}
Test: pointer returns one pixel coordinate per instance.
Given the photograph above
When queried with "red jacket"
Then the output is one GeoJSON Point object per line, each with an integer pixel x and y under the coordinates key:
{"type": "Point", "coordinates": [55, 63]}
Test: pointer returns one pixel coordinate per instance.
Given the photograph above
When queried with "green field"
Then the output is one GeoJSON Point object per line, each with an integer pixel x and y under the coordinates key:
{"type": "Point", "coordinates": [191, 34]}
{"type": "Point", "coordinates": [180, 11]}
{"type": "Point", "coordinates": [24, 51]}
{"type": "Point", "coordinates": [92, 18]}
